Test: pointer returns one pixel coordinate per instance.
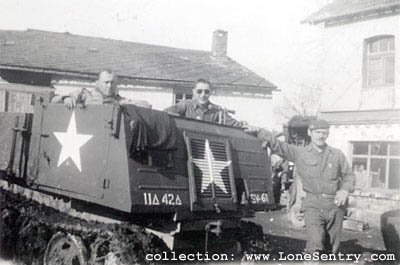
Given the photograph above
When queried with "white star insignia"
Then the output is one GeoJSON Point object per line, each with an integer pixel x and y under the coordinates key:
{"type": "Point", "coordinates": [71, 142]}
{"type": "Point", "coordinates": [211, 169]}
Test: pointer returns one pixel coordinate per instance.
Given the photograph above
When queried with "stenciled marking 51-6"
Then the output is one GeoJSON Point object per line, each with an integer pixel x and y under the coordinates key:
{"type": "Point", "coordinates": [164, 199]}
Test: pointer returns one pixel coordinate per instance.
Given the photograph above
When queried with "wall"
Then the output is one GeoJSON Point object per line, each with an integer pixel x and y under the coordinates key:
{"type": "Point", "coordinates": [159, 98]}
{"type": "Point", "coordinates": [341, 65]}
{"type": "Point", "coordinates": [255, 108]}
{"type": "Point", "coordinates": [340, 136]}
{"type": "Point", "coordinates": [367, 205]}
{"type": "Point", "coordinates": [65, 86]}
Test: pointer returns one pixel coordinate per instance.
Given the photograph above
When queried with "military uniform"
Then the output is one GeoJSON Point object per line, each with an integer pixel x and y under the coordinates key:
{"type": "Point", "coordinates": [323, 173]}
{"type": "Point", "coordinates": [95, 97]}
{"type": "Point", "coordinates": [193, 110]}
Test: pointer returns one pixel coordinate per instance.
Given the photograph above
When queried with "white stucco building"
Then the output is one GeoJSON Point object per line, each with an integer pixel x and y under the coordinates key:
{"type": "Point", "coordinates": [360, 70]}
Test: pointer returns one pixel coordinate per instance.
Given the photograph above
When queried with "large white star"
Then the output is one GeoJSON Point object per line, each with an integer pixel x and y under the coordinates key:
{"type": "Point", "coordinates": [211, 169]}
{"type": "Point", "coordinates": [71, 142]}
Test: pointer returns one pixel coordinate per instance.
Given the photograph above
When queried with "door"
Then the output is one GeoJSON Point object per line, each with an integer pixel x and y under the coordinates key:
{"type": "Point", "coordinates": [71, 149]}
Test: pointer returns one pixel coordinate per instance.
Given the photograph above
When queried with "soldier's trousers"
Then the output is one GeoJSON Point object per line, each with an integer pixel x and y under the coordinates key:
{"type": "Point", "coordinates": [324, 227]}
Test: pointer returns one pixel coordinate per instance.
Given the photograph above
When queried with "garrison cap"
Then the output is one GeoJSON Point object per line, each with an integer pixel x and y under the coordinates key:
{"type": "Point", "coordinates": [318, 124]}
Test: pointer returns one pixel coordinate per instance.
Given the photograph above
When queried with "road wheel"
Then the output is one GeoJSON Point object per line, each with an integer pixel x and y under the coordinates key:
{"type": "Point", "coordinates": [65, 249]}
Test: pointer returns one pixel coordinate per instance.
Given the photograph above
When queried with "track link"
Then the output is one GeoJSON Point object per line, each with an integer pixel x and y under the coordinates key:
{"type": "Point", "coordinates": [29, 219]}
{"type": "Point", "coordinates": [26, 227]}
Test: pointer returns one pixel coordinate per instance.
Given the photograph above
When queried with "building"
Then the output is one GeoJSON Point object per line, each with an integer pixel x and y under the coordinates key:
{"type": "Point", "coordinates": [21, 97]}
{"type": "Point", "coordinates": [361, 72]}
{"type": "Point", "coordinates": [161, 75]}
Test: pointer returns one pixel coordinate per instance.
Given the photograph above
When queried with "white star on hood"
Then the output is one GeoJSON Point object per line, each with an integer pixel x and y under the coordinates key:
{"type": "Point", "coordinates": [71, 142]}
{"type": "Point", "coordinates": [212, 168]}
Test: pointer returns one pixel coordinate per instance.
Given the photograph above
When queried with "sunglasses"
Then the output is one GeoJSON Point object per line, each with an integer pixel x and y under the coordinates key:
{"type": "Point", "coordinates": [200, 91]}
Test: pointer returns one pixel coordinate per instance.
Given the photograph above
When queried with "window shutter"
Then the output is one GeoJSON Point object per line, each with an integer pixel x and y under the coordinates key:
{"type": "Point", "coordinates": [373, 47]}
{"type": "Point", "coordinates": [391, 44]}
{"type": "Point", "coordinates": [3, 99]}
{"type": "Point", "coordinates": [375, 72]}
{"type": "Point", "coordinates": [389, 70]}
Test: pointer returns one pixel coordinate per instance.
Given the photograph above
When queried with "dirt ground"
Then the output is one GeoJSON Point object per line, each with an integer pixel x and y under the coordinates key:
{"type": "Point", "coordinates": [290, 239]}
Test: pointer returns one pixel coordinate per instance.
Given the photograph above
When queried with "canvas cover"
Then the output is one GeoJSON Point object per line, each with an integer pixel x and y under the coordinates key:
{"type": "Point", "coordinates": [149, 129]}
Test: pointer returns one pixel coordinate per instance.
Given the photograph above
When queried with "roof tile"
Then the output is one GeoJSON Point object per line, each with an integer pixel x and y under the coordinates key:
{"type": "Point", "coordinates": [67, 52]}
{"type": "Point", "coordinates": [346, 8]}
{"type": "Point", "coordinates": [362, 117]}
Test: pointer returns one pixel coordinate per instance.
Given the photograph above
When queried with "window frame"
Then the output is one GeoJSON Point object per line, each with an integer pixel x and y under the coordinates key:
{"type": "Point", "coordinates": [185, 95]}
{"type": "Point", "coordinates": [387, 157]}
{"type": "Point", "coordinates": [383, 56]}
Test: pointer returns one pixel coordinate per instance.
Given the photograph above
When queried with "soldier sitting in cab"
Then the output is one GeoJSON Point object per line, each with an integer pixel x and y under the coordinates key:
{"type": "Point", "coordinates": [201, 108]}
{"type": "Point", "coordinates": [104, 93]}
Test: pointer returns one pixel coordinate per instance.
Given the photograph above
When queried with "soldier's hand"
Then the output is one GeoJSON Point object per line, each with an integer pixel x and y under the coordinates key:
{"type": "Point", "coordinates": [341, 197]}
{"type": "Point", "coordinates": [70, 102]}
{"type": "Point", "coordinates": [243, 123]}
{"type": "Point", "coordinates": [250, 129]}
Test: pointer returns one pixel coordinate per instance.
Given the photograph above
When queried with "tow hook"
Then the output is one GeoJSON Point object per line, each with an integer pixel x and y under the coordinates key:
{"type": "Point", "coordinates": [212, 227]}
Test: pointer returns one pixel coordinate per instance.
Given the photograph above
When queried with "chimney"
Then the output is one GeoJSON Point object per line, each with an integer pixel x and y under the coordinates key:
{"type": "Point", "coordinates": [219, 44]}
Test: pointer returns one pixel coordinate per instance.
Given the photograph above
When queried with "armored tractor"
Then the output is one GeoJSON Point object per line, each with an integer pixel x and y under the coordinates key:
{"type": "Point", "coordinates": [102, 184]}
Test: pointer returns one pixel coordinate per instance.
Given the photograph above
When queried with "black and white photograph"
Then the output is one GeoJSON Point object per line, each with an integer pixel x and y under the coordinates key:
{"type": "Point", "coordinates": [199, 132]}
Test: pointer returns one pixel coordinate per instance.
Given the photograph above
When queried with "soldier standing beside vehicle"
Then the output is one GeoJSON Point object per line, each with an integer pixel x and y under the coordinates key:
{"type": "Point", "coordinates": [104, 92]}
{"type": "Point", "coordinates": [201, 108]}
{"type": "Point", "coordinates": [327, 180]}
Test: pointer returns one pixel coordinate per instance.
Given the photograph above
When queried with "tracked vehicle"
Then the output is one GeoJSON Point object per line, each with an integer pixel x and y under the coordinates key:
{"type": "Point", "coordinates": [104, 184]}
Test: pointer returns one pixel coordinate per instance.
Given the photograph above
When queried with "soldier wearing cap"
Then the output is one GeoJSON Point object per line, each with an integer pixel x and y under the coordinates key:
{"type": "Point", "coordinates": [327, 180]}
{"type": "Point", "coordinates": [200, 107]}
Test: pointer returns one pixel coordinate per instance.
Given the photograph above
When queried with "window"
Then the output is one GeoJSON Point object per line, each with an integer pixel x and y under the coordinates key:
{"type": "Point", "coordinates": [379, 56]}
{"type": "Point", "coordinates": [182, 96]}
{"type": "Point", "coordinates": [377, 164]}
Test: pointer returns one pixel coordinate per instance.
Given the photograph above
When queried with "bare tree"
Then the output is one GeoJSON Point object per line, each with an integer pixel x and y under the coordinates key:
{"type": "Point", "coordinates": [304, 101]}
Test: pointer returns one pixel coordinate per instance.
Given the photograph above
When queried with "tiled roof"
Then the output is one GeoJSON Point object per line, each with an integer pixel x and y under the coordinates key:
{"type": "Point", "coordinates": [81, 54]}
{"type": "Point", "coordinates": [362, 117]}
{"type": "Point", "coordinates": [342, 9]}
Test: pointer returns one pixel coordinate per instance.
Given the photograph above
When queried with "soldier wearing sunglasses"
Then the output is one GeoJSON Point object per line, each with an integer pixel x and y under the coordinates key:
{"type": "Point", "coordinates": [201, 108]}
